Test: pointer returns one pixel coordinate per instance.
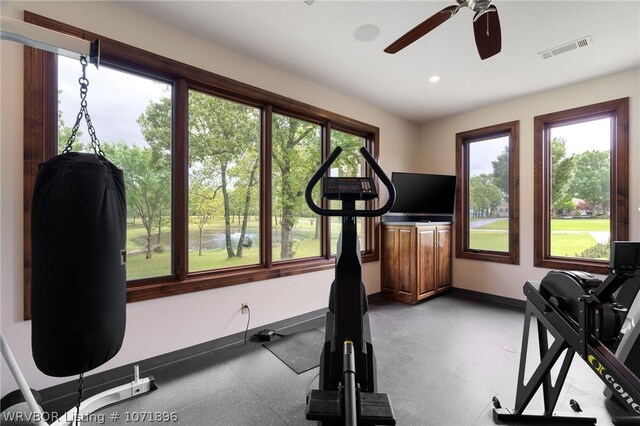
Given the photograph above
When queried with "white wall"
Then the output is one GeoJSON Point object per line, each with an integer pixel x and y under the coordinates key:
{"type": "Point", "coordinates": [162, 325]}
{"type": "Point", "coordinates": [438, 156]}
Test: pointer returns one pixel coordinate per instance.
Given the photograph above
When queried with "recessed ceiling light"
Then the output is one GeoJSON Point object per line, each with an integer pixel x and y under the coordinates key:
{"type": "Point", "coordinates": [434, 78]}
{"type": "Point", "coordinates": [366, 32]}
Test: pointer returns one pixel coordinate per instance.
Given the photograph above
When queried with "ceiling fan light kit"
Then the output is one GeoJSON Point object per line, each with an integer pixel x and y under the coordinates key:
{"type": "Point", "coordinates": [486, 27]}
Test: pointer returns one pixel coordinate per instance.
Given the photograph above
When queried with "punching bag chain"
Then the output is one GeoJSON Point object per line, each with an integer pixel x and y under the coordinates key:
{"type": "Point", "coordinates": [80, 394]}
{"type": "Point", "coordinates": [84, 87]}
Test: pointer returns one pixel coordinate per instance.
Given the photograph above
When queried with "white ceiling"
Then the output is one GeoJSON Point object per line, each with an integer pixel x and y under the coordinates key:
{"type": "Point", "coordinates": [316, 41]}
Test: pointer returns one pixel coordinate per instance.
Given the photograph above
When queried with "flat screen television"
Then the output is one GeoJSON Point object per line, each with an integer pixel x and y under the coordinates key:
{"type": "Point", "coordinates": [419, 194]}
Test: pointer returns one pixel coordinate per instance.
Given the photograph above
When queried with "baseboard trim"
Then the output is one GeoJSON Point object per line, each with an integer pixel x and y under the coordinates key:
{"type": "Point", "coordinates": [65, 394]}
{"type": "Point", "coordinates": [514, 303]}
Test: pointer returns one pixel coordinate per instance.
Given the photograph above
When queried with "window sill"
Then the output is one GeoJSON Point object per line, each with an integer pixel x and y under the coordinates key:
{"type": "Point", "coordinates": [153, 288]}
{"type": "Point", "coordinates": [593, 266]}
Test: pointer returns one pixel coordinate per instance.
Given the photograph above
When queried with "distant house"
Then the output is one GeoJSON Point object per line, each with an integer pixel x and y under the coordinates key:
{"type": "Point", "coordinates": [503, 209]}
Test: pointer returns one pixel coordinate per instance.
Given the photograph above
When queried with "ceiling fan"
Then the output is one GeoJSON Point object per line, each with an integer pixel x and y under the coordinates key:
{"type": "Point", "coordinates": [486, 27]}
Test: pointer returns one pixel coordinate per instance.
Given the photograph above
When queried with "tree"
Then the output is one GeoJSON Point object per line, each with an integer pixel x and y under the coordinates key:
{"type": "Point", "coordinates": [64, 133]}
{"type": "Point", "coordinates": [155, 126]}
{"type": "Point", "coordinates": [249, 191]}
{"type": "Point", "coordinates": [500, 177]}
{"type": "Point", "coordinates": [202, 196]}
{"type": "Point", "coordinates": [592, 179]}
{"type": "Point", "coordinates": [349, 163]}
{"type": "Point", "coordinates": [562, 173]}
{"type": "Point", "coordinates": [484, 195]}
{"type": "Point", "coordinates": [146, 184]}
{"type": "Point", "coordinates": [296, 152]}
{"type": "Point", "coordinates": [223, 134]}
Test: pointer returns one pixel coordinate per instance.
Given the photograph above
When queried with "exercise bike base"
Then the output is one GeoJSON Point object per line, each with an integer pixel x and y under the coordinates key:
{"type": "Point", "coordinates": [375, 408]}
{"type": "Point", "coordinates": [504, 415]}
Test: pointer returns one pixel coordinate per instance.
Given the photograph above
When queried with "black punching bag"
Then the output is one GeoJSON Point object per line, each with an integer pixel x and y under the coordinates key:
{"type": "Point", "coordinates": [78, 287]}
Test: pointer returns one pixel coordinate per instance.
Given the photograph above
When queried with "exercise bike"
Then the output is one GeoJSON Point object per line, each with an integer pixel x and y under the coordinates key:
{"type": "Point", "coordinates": [585, 316]}
{"type": "Point", "coordinates": [347, 394]}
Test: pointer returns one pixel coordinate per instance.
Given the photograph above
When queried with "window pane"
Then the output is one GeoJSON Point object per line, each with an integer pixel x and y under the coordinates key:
{"type": "Point", "coordinates": [296, 156]}
{"type": "Point", "coordinates": [488, 186]}
{"type": "Point", "coordinates": [580, 189]}
{"type": "Point", "coordinates": [224, 183]}
{"type": "Point", "coordinates": [349, 163]}
{"type": "Point", "coordinates": [132, 119]}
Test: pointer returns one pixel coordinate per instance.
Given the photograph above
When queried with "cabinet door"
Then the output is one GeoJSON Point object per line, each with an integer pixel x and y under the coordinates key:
{"type": "Point", "coordinates": [405, 262]}
{"type": "Point", "coordinates": [426, 262]}
{"type": "Point", "coordinates": [389, 259]}
{"type": "Point", "coordinates": [444, 257]}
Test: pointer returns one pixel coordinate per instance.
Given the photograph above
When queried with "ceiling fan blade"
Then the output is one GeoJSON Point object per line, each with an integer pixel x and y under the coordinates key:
{"type": "Point", "coordinates": [422, 29]}
{"type": "Point", "coordinates": [486, 28]}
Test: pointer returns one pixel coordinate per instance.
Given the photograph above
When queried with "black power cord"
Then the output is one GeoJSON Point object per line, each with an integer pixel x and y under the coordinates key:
{"type": "Point", "coordinates": [248, 320]}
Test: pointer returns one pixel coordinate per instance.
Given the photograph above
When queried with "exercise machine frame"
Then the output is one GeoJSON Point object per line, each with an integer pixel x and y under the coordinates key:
{"type": "Point", "coordinates": [348, 384]}
{"type": "Point", "coordinates": [111, 396]}
{"type": "Point", "coordinates": [573, 337]}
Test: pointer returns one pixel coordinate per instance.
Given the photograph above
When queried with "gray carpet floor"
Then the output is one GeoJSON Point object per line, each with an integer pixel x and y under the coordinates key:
{"type": "Point", "coordinates": [441, 362]}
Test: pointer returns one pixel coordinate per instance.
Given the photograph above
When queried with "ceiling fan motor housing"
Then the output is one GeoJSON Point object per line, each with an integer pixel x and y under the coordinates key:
{"type": "Point", "coordinates": [475, 5]}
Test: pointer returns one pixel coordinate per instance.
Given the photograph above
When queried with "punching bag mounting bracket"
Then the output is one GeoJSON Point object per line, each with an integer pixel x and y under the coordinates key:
{"type": "Point", "coordinates": [49, 40]}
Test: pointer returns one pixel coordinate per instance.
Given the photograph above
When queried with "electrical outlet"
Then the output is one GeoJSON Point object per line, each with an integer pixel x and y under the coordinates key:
{"type": "Point", "coordinates": [244, 308]}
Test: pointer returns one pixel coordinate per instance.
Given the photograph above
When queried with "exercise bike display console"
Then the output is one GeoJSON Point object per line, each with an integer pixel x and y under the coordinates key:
{"type": "Point", "coordinates": [347, 394]}
{"type": "Point", "coordinates": [343, 188]}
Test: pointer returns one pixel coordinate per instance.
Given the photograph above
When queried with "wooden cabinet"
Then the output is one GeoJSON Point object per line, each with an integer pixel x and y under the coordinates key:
{"type": "Point", "coordinates": [416, 260]}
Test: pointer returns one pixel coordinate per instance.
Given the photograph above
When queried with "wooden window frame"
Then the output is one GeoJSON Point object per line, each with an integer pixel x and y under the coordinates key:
{"type": "Point", "coordinates": [618, 110]}
{"type": "Point", "coordinates": [463, 139]}
{"type": "Point", "coordinates": [40, 135]}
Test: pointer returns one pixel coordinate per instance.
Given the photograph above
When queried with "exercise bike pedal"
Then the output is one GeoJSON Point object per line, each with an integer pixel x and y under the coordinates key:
{"type": "Point", "coordinates": [376, 409]}
{"type": "Point", "coordinates": [323, 405]}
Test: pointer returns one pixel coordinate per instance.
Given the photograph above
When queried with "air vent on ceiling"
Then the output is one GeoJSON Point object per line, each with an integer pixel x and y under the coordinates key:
{"type": "Point", "coordinates": [582, 42]}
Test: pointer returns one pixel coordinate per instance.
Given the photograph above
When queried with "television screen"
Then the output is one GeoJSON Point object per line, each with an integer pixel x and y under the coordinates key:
{"type": "Point", "coordinates": [425, 194]}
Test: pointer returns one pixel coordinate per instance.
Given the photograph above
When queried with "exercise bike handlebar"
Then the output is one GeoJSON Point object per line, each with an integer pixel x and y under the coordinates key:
{"type": "Point", "coordinates": [350, 212]}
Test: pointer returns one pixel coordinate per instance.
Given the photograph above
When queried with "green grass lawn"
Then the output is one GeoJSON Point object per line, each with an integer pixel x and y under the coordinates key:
{"type": "Point", "coordinates": [492, 241]}
{"type": "Point", "coordinates": [569, 237]}
{"type": "Point", "coordinates": [499, 224]}
{"type": "Point", "coordinates": [570, 244]}
{"type": "Point", "coordinates": [160, 263]}
{"type": "Point", "coordinates": [580, 225]}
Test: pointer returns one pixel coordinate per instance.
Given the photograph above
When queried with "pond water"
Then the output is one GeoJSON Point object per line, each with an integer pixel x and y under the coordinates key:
{"type": "Point", "coordinates": [214, 239]}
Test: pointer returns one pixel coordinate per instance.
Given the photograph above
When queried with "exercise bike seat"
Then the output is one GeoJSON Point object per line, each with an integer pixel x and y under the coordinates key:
{"type": "Point", "coordinates": [563, 288]}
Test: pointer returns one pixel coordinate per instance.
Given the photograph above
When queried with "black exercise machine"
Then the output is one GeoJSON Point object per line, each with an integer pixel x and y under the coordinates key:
{"type": "Point", "coordinates": [584, 315]}
{"type": "Point", "coordinates": [347, 394]}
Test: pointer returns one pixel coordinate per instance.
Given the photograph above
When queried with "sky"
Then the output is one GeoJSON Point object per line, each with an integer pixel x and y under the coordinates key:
{"type": "Point", "coordinates": [482, 153]}
{"type": "Point", "coordinates": [115, 100]}
{"type": "Point", "coordinates": [587, 136]}
{"type": "Point", "coordinates": [580, 137]}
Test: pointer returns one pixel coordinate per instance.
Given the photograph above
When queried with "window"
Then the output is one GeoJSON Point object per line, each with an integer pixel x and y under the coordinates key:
{"type": "Point", "coordinates": [581, 185]}
{"type": "Point", "coordinates": [487, 218]}
{"type": "Point", "coordinates": [215, 170]}
{"type": "Point", "coordinates": [224, 177]}
{"type": "Point", "coordinates": [138, 144]}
